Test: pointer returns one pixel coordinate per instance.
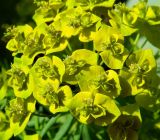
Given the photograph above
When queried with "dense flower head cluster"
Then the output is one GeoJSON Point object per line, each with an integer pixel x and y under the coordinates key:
{"type": "Point", "coordinates": [73, 46]}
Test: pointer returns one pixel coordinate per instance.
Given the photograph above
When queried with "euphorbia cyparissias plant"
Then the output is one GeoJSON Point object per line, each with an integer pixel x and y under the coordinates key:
{"type": "Point", "coordinates": [76, 60]}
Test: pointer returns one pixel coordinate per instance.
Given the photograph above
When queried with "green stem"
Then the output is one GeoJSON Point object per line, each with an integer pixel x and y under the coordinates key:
{"type": "Point", "coordinates": [37, 123]}
{"type": "Point", "coordinates": [41, 115]}
{"type": "Point", "coordinates": [69, 47]}
{"type": "Point", "coordinates": [32, 129]}
{"type": "Point", "coordinates": [136, 40]}
{"type": "Point", "coordinates": [144, 43]}
{"type": "Point", "coordinates": [101, 63]}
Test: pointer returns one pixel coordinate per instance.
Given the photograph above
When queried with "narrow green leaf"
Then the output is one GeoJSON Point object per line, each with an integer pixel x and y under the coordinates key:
{"type": "Point", "coordinates": [48, 125]}
{"type": "Point", "coordinates": [85, 133]}
{"type": "Point", "coordinates": [63, 129]}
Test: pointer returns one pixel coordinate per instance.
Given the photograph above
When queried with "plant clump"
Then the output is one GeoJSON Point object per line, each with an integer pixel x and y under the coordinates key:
{"type": "Point", "coordinates": [76, 61]}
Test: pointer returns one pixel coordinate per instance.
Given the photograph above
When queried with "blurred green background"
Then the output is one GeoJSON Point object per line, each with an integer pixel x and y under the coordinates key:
{"type": "Point", "coordinates": [13, 12]}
